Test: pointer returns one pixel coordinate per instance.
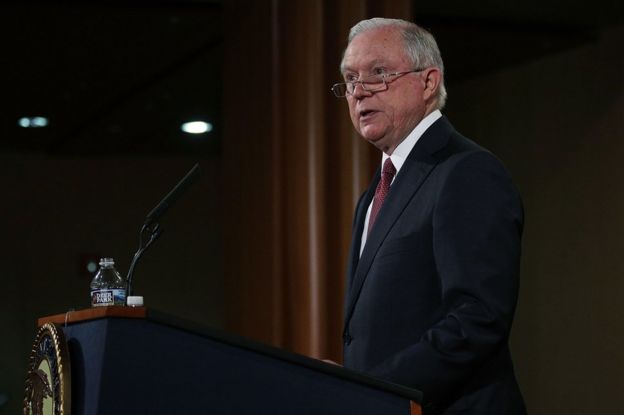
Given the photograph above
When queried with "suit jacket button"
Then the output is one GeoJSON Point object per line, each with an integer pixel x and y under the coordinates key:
{"type": "Point", "coordinates": [347, 338]}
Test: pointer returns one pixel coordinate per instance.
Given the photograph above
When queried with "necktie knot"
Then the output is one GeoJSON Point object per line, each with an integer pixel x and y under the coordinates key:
{"type": "Point", "coordinates": [388, 167]}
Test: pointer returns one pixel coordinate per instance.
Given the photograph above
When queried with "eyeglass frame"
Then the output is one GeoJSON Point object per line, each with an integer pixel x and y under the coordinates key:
{"type": "Point", "coordinates": [382, 77]}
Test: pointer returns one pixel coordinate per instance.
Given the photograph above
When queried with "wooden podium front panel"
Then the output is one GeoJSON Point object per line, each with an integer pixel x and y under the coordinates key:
{"type": "Point", "coordinates": [130, 366]}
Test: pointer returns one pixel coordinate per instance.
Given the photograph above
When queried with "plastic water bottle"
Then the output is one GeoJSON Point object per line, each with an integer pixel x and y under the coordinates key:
{"type": "Point", "coordinates": [108, 287]}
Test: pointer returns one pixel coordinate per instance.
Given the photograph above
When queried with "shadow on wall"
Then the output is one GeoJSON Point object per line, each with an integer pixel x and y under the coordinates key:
{"type": "Point", "coordinates": [3, 399]}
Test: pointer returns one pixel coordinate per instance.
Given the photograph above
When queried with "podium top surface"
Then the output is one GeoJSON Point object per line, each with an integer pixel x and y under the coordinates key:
{"type": "Point", "coordinates": [76, 316]}
{"type": "Point", "coordinates": [85, 315]}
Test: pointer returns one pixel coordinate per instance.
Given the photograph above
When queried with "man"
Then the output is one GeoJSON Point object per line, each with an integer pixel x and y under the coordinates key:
{"type": "Point", "coordinates": [433, 268]}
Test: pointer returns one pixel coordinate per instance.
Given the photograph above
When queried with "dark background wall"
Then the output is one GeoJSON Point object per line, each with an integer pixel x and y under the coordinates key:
{"type": "Point", "coordinates": [252, 247]}
{"type": "Point", "coordinates": [58, 212]}
{"type": "Point", "coordinates": [558, 124]}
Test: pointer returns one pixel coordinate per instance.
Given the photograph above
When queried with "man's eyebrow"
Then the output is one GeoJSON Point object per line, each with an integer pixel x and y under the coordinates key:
{"type": "Point", "coordinates": [378, 62]}
{"type": "Point", "coordinates": [370, 65]}
{"type": "Point", "coordinates": [346, 68]}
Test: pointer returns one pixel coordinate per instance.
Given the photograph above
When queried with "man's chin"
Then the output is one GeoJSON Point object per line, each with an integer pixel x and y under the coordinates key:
{"type": "Point", "coordinates": [374, 136]}
{"type": "Point", "coordinates": [370, 135]}
{"type": "Point", "coordinates": [378, 142]}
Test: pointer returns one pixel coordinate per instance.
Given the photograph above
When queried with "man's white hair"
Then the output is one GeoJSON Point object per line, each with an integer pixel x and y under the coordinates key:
{"type": "Point", "coordinates": [420, 46]}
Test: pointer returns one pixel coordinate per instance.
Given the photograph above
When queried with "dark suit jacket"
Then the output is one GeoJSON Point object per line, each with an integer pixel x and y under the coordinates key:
{"type": "Point", "coordinates": [431, 300]}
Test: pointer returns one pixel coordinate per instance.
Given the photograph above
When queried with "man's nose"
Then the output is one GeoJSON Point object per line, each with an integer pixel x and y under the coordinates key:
{"type": "Point", "coordinates": [359, 91]}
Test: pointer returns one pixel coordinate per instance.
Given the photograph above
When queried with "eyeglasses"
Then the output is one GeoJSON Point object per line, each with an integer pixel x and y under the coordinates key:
{"type": "Point", "coordinates": [374, 83]}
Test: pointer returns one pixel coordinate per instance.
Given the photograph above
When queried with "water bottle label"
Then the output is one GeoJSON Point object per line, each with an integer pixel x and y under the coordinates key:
{"type": "Point", "coordinates": [108, 297]}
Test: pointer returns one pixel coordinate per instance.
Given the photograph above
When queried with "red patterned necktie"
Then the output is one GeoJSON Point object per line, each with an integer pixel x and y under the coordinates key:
{"type": "Point", "coordinates": [383, 187]}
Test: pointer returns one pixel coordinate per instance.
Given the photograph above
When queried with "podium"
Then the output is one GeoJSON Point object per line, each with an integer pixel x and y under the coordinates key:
{"type": "Point", "coordinates": [140, 361]}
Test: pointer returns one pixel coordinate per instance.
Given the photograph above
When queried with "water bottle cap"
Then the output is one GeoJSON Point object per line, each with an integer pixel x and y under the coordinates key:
{"type": "Point", "coordinates": [107, 261]}
{"type": "Point", "coordinates": [135, 301]}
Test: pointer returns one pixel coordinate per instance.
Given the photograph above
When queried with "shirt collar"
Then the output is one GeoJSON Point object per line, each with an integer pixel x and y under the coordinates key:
{"type": "Point", "coordinates": [402, 151]}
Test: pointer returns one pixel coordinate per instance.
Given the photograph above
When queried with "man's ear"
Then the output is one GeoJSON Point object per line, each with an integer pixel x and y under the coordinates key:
{"type": "Point", "coordinates": [432, 77]}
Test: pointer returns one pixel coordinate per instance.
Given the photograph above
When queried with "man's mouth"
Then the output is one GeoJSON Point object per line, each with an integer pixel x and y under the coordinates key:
{"type": "Point", "coordinates": [365, 114]}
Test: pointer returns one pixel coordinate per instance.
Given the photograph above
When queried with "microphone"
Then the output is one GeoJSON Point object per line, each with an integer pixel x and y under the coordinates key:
{"type": "Point", "coordinates": [173, 195]}
{"type": "Point", "coordinates": [152, 227]}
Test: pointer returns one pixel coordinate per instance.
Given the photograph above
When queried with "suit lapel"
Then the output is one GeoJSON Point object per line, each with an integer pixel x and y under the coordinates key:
{"type": "Point", "coordinates": [410, 178]}
{"type": "Point", "coordinates": [358, 228]}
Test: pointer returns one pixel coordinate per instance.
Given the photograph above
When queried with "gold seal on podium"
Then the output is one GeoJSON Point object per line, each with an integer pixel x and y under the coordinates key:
{"type": "Point", "coordinates": [48, 381]}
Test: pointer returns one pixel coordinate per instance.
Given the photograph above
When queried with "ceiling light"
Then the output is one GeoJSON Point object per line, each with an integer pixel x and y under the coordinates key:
{"type": "Point", "coordinates": [196, 127]}
{"type": "Point", "coordinates": [33, 122]}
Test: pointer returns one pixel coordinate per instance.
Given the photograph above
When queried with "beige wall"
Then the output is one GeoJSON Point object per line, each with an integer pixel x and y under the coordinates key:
{"type": "Point", "coordinates": [558, 124]}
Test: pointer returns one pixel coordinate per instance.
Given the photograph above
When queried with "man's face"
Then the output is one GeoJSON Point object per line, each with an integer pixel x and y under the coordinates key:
{"type": "Point", "coordinates": [383, 118]}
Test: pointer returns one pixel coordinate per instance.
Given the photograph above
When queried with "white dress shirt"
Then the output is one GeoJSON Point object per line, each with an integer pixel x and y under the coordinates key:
{"type": "Point", "coordinates": [398, 158]}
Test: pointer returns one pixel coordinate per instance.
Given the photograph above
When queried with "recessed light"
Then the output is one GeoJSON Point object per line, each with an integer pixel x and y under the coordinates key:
{"type": "Point", "coordinates": [33, 122]}
{"type": "Point", "coordinates": [196, 127]}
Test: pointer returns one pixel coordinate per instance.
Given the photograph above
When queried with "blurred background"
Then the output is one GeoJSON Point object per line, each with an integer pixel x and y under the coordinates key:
{"type": "Point", "coordinates": [93, 99]}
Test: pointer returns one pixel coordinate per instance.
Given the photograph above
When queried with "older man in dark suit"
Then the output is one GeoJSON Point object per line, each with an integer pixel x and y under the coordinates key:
{"type": "Point", "coordinates": [434, 262]}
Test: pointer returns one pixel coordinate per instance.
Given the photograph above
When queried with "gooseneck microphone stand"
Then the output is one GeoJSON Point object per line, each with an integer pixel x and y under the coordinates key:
{"type": "Point", "coordinates": [151, 230]}
{"type": "Point", "coordinates": [154, 231]}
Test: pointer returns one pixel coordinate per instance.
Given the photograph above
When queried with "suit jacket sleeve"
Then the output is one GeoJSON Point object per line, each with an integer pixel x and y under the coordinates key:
{"type": "Point", "coordinates": [477, 222]}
